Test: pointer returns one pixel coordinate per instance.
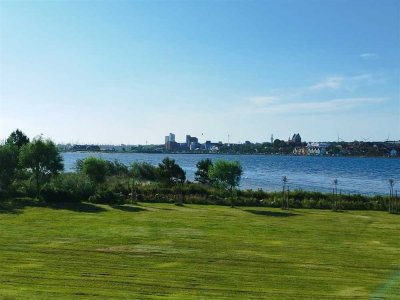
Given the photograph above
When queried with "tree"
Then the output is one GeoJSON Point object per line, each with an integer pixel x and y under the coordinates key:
{"type": "Point", "coordinates": [143, 171]}
{"type": "Point", "coordinates": [203, 167]}
{"type": "Point", "coordinates": [117, 168]}
{"type": "Point", "coordinates": [95, 168]}
{"type": "Point", "coordinates": [285, 192]}
{"type": "Point", "coordinates": [391, 196]}
{"type": "Point", "coordinates": [170, 173]}
{"type": "Point", "coordinates": [8, 164]}
{"type": "Point", "coordinates": [227, 173]}
{"type": "Point", "coordinates": [41, 157]}
{"type": "Point", "coordinates": [335, 205]}
{"type": "Point", "coordinates": [17, 138]}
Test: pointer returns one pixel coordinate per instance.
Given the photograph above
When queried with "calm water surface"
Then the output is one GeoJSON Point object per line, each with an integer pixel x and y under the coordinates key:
{"type": "Point", "coordinates": [355, 174]}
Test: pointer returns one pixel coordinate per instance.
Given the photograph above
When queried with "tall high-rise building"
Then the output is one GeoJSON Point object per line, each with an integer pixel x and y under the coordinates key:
{"type": "Point", "coordinates": [171, 137]}
{"type": "Point", "coordinates": [188, 140]}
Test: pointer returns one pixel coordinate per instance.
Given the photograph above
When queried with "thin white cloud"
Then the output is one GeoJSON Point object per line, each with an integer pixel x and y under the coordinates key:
{"type": "Point", "coordinates": [315, 107]}
{"type": "Point", "coordinates": [333, 82]}
{"type": "Point", "coordinates": [344, 82]}
{"type": "Point", "coordinates": [369, 56]}
{"type": "Point", "coordinates": [262, 101]}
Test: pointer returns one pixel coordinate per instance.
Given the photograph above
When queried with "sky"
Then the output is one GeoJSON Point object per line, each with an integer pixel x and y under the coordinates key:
{"type": "Point", "coordinates": [111, 72]}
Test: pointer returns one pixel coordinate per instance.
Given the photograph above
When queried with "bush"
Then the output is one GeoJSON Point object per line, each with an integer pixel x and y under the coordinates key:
{"type": "Point", "coordinates": [3, 194]}
{"type": "Point", "coordinates": [52, 194]}
{"type": "Point", "coordinates": [95, 168]}
{"type": "Point", "coordinates": [107, 197]}
{"type": "Point", "coordinates": [79, 185]}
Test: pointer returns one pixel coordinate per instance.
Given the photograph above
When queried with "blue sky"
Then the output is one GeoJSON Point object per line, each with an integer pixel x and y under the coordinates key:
{"type": "Point", "coordinates": [133, 71]}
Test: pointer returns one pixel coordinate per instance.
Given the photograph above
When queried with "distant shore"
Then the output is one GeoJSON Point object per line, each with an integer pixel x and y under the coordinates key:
{"type": "Point", "coordinates": [229, 153]}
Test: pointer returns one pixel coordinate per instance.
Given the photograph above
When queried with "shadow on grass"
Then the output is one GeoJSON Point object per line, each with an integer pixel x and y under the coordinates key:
{"type": "Point", "coordinates": [76, 206]}
{"type": "Point", "coordinates": [128, 208]}
{"type": "Point", "coordinates": [268, 213]}
{"type": "Point", "coordinates": [16, 206]}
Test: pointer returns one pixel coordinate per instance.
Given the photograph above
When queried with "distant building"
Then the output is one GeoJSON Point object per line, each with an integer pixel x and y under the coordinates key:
{"type": "Point", "coordinates": [193, 146]}
{"type": "Point", "coordinates": [91, 148]}
{"type": "Point", "coordinates": [191, 140]}
{"type": "Point", "coordinates": [170, 143]}
{"type": "Point", "coordinates": [188, 137]}
{"type": "Point", "coordinates": [317, 148]}
{"type": "Point", "coordinates": [296, 139]}
{"type": "Point", "coordinates": [172, 146]}
{"type": "Point", "coordinates": [300, 151]}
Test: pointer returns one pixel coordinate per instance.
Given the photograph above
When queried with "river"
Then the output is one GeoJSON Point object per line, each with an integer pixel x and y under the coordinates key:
{"type": "Point", "coordinates": [361, 175]}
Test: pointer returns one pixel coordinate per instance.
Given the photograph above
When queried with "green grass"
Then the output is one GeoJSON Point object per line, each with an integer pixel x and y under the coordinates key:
{"type": "Point", "coordinates": [163, 251]}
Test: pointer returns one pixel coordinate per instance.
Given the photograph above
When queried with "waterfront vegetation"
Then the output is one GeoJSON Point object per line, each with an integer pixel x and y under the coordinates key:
{"type": "Point", "coordinates": [114, 231]}
{"type": "Point", "coordinates": [164, 251]}
{"type": "Point", "coordinates": [34, 169]}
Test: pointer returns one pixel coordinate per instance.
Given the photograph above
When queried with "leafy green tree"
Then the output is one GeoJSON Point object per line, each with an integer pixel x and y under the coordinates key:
{"type": "Point", "coordinates": [8, 164]}
{"type": "Point", "coordinates": [95, 168]}
{"type": "Point", "coordinates": [41, 157]}
{"type": "Point", "coordinates": [18, 139]}
{"type": "Point", "coordinates": [227, 173]}
{"type": "Point", "coordinates": [78, 166]}
{"type": "Point", "coordinates": [117, 168]}
{"type": "Point", "coordinates": [143, 171]}
{"type": "Point", "coordinates": [203, 167]}
{"type": "Point", "coordinates": [170, 173]}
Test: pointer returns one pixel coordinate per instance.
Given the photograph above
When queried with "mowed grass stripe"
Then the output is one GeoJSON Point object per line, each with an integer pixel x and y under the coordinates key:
{"type": "Point", "coordinates": [192, 252]}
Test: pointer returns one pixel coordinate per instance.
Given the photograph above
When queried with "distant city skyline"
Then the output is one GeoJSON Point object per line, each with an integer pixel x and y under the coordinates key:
{"type": "Point", "coordinates": [129, 72]}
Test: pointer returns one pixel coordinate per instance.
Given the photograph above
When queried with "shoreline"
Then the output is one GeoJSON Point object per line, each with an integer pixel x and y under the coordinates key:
{"type": "Point", "coordinates": [237, 154]}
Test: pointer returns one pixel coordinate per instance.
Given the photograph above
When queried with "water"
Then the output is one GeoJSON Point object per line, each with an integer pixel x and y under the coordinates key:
{"type": "Point", "coordinates": [311, 173]}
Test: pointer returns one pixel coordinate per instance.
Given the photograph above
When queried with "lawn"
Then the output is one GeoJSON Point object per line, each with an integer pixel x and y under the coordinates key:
{"type": "Point", "coordinates": [163, 251]}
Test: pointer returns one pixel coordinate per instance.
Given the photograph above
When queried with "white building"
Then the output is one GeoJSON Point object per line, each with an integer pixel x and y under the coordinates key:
{"type": "Point", "coordinates": [317, 148]}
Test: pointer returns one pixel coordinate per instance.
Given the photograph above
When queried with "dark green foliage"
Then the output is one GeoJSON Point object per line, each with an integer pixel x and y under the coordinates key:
{"type": "Point", "coordinates": [202, 173]}
{"type": "Point", "coordinates": [170, 173]}
{"type": "Point", "coordinates": [18, 139]}
{"type": "Point", "coordinates": [42, 159]}
{"type": "Point", "coordinates": [226, 173]}
{"type": "Point", "coordinates": [143, 171]}
{"type": "Point", "coordinates": [8, 165]}
{"type": "Point", "coordinates": [107, 197]}
{"type": "Point", "coordinates": [52, 194]}
{"type": "Point", "coordinates": [117, 168]}
{"type": "Point", "coordinates": [67, 187]}
{"type": "Point", "coordinates": [95, 168]}
{"type": "Point", "coordinates": [79, 165]}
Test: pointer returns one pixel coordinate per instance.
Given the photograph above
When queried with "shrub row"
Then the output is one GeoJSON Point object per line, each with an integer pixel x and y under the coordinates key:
{"type": "Point", "coordinates": [73, 187]}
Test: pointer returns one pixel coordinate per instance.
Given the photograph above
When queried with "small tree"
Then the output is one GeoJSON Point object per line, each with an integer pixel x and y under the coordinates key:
{"type": "Point", "coordinates": [41, 157]}
{"type": "Point", "coordinates": [18, 139]}
{"type": "Point", "coordinates": [140, 172]}
{"type": "Point", "coordinates": [202, 173]}
{"type": "Point", "coordinates": [391, 196]}
{"type": "Point", "coordinates": [8, 164]}
{"type": "Point", "coordinates": [170, 173]}
{"type": "Point", "coordinates": [227, 173]}
{"type": "Point", "coordinates": [95, 168]}
{"type": "Point", "coordinates": [117, 168]}
{"type": "Point", "coordinates": [285, 198]}
{"type": "Point", "coordinates": [335, 204]}
{"type": "Point", "coordinates": [143, 171]}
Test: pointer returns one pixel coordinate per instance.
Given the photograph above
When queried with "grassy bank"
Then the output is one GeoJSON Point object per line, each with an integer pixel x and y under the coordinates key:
{"type": "Point", "coordinates": [163, 251]}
